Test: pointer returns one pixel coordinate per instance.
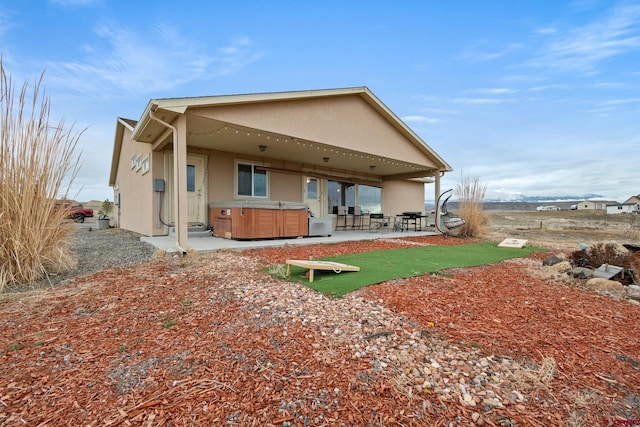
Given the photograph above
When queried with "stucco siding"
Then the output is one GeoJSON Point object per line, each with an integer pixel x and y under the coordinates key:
{"type": "Point", "coordinates": [348, 122]}
{"type": "Point", "coordinates": [402, 196]}
{"type": "Point", "coordinates": [285, 187]}
{"type": "Point", "coordinates": [135, 212]}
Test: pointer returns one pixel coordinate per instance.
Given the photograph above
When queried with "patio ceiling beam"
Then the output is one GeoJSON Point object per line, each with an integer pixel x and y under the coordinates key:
{"type": "Point", "coordinates": [341, 178]}
{"type": "Point", "coordinates": [409, 175]}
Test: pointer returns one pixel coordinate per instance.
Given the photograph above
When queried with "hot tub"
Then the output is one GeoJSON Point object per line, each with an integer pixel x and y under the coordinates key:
{"type": "Point", "coordinates": [250, 220]}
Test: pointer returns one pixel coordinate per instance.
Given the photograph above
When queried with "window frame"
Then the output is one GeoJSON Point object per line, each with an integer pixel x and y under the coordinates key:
{"type": "Point", "coordinates": [355, 187]}
{"type": "Point", "coordinates": [253, 165]}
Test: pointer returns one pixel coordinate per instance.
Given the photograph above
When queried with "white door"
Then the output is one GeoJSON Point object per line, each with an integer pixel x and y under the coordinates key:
{"type": "Point", "coordinates": [312, 190]}
{"type": "Point", "coordinates": [196, 188]}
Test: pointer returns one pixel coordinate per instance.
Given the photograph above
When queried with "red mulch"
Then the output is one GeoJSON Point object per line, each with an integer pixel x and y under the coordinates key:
{"type": "Point", "coordinates": [169, 343]}
{"type": "Point", "coordinates": [594, 339]}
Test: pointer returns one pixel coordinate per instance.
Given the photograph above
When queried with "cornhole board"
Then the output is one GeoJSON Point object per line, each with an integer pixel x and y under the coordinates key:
{"type": "Point", "coordinates": [513, 243]}
{"type": "Point", "coordinates": [336, 267]}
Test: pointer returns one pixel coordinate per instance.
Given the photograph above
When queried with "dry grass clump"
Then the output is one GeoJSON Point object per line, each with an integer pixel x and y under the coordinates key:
{"type": "Point", "coordinates": [603, 253]}
{"type": "Point", "coordinates": [537, 377]}
{"type": "Point", "coordinates": [36, 160]}
{"type": "Point", "coordinates": [470, 194]}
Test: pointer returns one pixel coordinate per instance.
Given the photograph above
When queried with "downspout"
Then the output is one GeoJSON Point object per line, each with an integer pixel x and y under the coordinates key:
{"type": "Point", "coordinates": [176, 179]}
{"type": "Point", "coordinates": [437, 198]}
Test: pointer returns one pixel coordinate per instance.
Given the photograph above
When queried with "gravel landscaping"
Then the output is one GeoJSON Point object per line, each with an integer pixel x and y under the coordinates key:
{"type": "Point", "coordinates": [97, 250]}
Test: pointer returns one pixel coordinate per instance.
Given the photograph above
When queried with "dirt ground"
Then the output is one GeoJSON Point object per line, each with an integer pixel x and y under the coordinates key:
{"type": "Point", "coordinates": [564, 229]}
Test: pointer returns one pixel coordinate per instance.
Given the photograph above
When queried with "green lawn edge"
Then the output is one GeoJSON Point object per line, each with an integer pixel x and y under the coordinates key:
{"type": "Point", "coordinates": [384, 265]}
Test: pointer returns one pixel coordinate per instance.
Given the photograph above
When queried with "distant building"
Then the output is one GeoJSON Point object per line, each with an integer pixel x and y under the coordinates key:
{"type": "Point", "coordinates": [623, 208]}
{"type": "Point", "coordinates": [595, 204]}
{"type": "Point", "coordinates": [632, 199]}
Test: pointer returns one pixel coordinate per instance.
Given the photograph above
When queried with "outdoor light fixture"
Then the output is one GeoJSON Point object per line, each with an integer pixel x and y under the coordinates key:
{"type": "Point", "coordinates": [262, 148]}
{"type": "Point", "coordinates": [372, 167]}
{"type": "Point", "coordinates": [325, 159]}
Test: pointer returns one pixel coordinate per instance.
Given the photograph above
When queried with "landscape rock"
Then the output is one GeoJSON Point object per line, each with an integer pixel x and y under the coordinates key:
{"type": "Point", "coordinates": [581, 272]}
{"type": "Point", "coordinates": [633, 292]}
{"type": "Point", "coordinates": [552, 260]}
{"type": "Point", "coordinates": [561, 267]}
{"type": "Point", "coordinates": [607, 287]}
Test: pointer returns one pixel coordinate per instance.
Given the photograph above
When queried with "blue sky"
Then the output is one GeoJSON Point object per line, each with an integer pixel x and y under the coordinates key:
{"type": "Point", "coordinates": [532, 98]}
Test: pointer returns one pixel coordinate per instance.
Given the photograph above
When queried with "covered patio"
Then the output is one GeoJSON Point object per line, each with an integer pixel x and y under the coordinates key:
{"type": "Point", "coordinates": [210, 243]}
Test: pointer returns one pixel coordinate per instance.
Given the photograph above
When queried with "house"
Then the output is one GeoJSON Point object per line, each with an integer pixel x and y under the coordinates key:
{"type": "Point", "coordinates": [594, 204]}
{"type": "Point", "coordinates": [632, 199]}
{"type": "Point", "coordinates": [190, 161]}
{"type": "Point", "coordinates": [623, 208]}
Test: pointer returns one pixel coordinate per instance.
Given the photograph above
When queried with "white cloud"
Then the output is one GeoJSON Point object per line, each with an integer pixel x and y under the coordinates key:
{"type": "Point", "coordinates": [622, 101]}
{"type": "Point", "coordinates": [546, 30]}
{"type": "Point", "coordinates": [584, 48]}
{"type": "Point", "coordinates": [6, 22]}
{"type": "Point", "coordinates": [475, 101]}
{"type": "Point", "coordinates": [495, 91]}
{"type": "Point", "coordinates": [419, 119]}
{"type": "Point", "coordinates": [476, 52]}
{"type": "Point", "coordinates": [148, 64]}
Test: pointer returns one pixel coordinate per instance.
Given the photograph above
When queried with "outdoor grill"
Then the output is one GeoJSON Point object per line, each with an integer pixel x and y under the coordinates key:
{"type": "Point", "coordinates": [412, 215]}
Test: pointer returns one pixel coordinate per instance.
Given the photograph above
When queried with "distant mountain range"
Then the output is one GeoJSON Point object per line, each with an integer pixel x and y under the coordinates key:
{"type": "Point", "coordinates": [541, 199]}
{"type": "Point", "coordinates": [549, 199]}
{"type": "Point", "coordinates": [525, 203]}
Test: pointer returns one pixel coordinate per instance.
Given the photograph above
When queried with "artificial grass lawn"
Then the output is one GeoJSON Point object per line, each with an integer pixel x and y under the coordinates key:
{"type": "Point", "coordinates": [380, 266]}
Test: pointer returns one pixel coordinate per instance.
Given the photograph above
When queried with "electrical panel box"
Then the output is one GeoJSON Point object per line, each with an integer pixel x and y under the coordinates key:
{"type": "Point", "coordinates": [158, 185]}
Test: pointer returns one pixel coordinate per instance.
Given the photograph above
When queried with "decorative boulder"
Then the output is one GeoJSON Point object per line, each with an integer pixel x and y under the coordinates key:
{"type": "Point", "coordinates": [607, 287]}
{"type": "Point", "coordinates": [633, 292]}
{"type": "Point", "coordinates": [551, 260]}
{"type": "Point", "coordinates": [561, 266]}
{"type": "Point", "coordinates": [581, 272]}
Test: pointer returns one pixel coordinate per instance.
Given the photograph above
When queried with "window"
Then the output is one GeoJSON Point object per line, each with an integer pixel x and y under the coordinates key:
{"type": "Point", "coordinates": [191, 178]}
{"type": "Point", "coordinates": [145, 165]}
{"type": "Point", "coordinates": [369, 198]}
{"type": "Point", "coordinates": [251, 181]}
{"type": "Point", "coordinates": [312, 188]}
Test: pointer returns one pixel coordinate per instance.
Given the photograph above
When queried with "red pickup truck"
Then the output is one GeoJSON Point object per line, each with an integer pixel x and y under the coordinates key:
{"type": "Point", "coordinates": [78, 214]}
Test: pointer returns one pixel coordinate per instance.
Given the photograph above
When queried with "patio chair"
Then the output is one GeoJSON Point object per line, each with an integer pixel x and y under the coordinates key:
{"type": "Point", "coordinates": [356, 217]}
{"type": "Point", "coordinates": [341, 217]}
{"type": "Point", "coordinates": [378, 222]}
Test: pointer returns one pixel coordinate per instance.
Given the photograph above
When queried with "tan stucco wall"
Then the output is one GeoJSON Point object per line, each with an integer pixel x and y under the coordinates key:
{"type": "Point", "coordinates": [344, 121]}
{"type": "Point", "coordinates": [286, 187]}
{"type": "Point", "coordinates": [135, 212]}
{"type": "Point", "coordinates": [139, 201]}
{"type": "Point", "coordinates": [402, 196]}
{"type": "Point", "coordinates": [157, 171]}
{"type": "Point", "coordinates": [282, 186]}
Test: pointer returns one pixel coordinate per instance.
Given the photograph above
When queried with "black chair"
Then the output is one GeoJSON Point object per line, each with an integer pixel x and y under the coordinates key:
{"type": "Point", "coordinates": [378, 222]}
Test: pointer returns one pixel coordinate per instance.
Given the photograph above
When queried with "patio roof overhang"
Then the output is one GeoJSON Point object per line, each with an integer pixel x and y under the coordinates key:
{"type": "Point", "coordinates": [292, 152]}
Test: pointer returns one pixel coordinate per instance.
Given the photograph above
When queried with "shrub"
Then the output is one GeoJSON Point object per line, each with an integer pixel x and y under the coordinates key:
{"type": "Point", "coordinates": [603, 253]}
{"type": "Point", "coordinates": [36, 161]}
{"type": "Point", "coordinates": [107, 207]}
{"type": "Point", "coordinates": [470, 194]}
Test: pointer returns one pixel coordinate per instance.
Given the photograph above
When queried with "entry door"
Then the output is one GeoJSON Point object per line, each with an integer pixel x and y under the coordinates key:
{"type": "Point", "coordinates": [196, 196]}
{"type": "Point", "coordinates": [312, 189]}
{"type": "Point", "coordinates": [196, 188]}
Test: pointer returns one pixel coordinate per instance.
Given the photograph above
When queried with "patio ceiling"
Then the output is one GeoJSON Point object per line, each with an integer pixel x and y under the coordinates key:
{"type": "Point", "coordinates": [320, 157]}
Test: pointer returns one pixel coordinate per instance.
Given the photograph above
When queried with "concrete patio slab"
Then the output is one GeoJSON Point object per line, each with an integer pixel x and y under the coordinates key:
{"type": "Point", "coordinates": [211, 243]}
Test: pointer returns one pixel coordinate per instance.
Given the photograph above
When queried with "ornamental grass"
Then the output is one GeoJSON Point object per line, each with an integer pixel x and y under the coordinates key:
{"type": "Point", "coordinates": [470, 195]}
{"type": "Point", "coordinates": [37, 167]}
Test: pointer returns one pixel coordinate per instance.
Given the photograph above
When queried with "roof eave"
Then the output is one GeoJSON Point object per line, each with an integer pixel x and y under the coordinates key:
{"type": "Point", "coordinates": [117, 148]}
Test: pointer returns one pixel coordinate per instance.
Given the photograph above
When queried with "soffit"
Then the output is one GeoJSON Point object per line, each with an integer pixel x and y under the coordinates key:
{"type": "Point", "coordinates": [242, 123]}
